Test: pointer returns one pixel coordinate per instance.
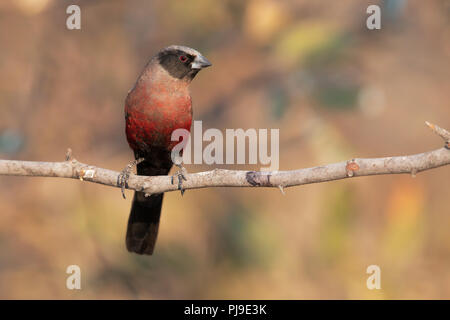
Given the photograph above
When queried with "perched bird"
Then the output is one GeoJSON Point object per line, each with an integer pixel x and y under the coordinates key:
{"type": "Point", "coordinates": [158, 104]}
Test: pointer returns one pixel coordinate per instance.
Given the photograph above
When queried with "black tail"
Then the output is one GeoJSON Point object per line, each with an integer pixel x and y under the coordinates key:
{"type": "Point", "coordinates": [143, 222]}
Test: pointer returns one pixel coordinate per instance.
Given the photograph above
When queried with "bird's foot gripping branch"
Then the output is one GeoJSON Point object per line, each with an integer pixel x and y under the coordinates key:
{"type": "Point", "coordinates": [122, 178]}
{"type": "Point", "coordinates": [180, 175]}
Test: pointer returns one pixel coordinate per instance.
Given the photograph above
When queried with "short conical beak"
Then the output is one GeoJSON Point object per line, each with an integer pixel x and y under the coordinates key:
{"type": "Point", "coordinates": [200, 62]}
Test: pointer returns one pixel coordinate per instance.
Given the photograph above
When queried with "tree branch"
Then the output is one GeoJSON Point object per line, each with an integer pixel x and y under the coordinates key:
{"type": "Point", "coordinates": [411, 164]}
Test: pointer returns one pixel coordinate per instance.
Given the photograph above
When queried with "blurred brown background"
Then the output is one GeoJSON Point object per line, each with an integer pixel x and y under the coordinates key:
{"type": "Point", "coordinates": [311, 68]}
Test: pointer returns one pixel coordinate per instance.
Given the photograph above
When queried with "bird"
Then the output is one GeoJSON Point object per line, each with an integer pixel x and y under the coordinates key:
{"type": "Point", "coordinates": [158, 104]}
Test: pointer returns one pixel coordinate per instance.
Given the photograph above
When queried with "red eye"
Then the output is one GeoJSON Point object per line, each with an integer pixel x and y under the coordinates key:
{"type": "Point", "coordinates": [183, 58]}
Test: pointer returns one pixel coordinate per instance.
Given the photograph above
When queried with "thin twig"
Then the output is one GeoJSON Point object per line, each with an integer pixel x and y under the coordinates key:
{"type": "Point", "coordinates": [444, 134]}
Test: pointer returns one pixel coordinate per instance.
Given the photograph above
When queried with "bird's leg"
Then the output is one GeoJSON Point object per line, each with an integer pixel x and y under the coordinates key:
{"type": "Point", "coordinates": [181, 175]}
{"type": "Point", "coordinates": [122, 179]}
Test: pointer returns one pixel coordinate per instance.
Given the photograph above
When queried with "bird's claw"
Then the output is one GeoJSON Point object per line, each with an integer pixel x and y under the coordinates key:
{"type": "Point", "coordinates": [122, 179]}
{"type": "Point", "coordinates": [181, 175]}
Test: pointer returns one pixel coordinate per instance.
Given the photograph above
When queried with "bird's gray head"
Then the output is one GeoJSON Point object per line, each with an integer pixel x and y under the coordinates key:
{"type": "Point", "coordinates": [182, 62]}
